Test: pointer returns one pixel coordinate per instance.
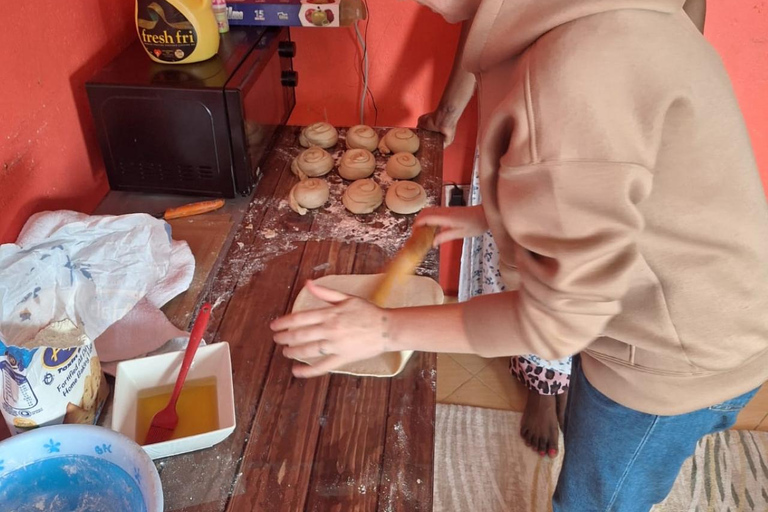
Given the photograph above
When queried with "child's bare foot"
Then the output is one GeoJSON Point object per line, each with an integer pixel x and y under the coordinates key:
{"type": "Point", "coordinates": [539, 426]}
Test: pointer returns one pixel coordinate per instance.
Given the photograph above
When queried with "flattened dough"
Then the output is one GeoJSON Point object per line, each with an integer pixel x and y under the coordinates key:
{"type": "Point", "coordinates": [415, 291]}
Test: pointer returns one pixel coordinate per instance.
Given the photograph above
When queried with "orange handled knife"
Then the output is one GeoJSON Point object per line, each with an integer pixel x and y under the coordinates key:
{"type": "Point", "coordinates": [189, 210]}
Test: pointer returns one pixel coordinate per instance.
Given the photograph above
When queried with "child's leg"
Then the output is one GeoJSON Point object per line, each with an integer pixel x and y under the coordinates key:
{"type": "Point", "coordinates": [619, 459]}
{"type": "Point", "coordinates": [547, 383]}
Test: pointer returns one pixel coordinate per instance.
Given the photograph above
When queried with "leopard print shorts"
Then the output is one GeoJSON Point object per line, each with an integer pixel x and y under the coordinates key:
{"type": "Point", "coordinates": [544, 381]}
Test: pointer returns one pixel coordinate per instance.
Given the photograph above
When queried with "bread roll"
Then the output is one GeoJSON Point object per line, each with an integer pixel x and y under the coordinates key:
{"type": "Point", "coordinates": [399, 140]}
{"type": "Point", "coordinates": [320, 134]}
{"type": "Point", "coordinates": [308, 194]}
{"type": "Point", "coordinates": [311, 163]}
{"type": "Point", "coordinates": [362, 196]}
{"type": "Point", "coordinates": [406, 197]}
{"type": "Point", "coordinates": [357, 164]}
{"type": "Point", "coordinates": [403, 166]}
{"type": "Point", "coordinates": [362, 137]}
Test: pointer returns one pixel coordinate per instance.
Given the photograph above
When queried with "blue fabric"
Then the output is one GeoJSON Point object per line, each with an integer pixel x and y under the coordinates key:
{"type": "Point", "coordinates": [619, 459]}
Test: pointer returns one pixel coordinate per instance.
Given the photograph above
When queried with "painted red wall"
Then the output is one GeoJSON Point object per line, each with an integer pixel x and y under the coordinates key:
{"type": "Point", "coordinates": [49, 156]}
{"type": "Point", "coordinates": [738, 29]}
{"type": "Point", "coordinates": [411, 51]}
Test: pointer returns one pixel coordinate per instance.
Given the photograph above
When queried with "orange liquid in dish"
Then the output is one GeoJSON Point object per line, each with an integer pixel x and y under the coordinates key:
{"type": "Point", "coordinates": [198, 408]}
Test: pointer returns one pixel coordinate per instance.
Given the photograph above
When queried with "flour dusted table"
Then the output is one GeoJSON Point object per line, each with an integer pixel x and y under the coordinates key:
{"type": "Point", "coordinates": [336, 443]}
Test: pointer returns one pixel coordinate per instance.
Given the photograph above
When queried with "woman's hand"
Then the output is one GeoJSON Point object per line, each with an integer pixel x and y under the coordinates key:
{"type": "Point", "coordinates": [441, 121]}
{"type": "Point", "coordinates": [454, 222]}
{"type": "Point", "coordinates": [351, 329]}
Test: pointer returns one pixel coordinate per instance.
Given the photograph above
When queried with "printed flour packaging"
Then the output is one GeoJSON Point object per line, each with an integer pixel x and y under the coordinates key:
{"type": "Point", "coordinates": [54, 378]}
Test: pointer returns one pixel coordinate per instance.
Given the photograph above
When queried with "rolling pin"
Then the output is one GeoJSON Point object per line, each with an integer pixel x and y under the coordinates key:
{"type": "Point", "coordinates": [191, 209]}
{"type": "Point", "coordinates": [405, 262]}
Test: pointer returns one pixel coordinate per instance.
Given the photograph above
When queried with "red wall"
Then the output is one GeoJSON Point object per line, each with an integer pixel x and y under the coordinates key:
{"type": "Point", "coordinates": [48, 150]}
{"type": "Point", "coordinates": [738, 29]}
{"type": "Point", "coordinates": [411, 54]}
{"type": "Point", "coordinates": [49, 158]}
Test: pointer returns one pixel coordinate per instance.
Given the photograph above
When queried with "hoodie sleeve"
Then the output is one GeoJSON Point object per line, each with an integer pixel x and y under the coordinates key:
{"type": "Point", "coordinates": [575, 225]}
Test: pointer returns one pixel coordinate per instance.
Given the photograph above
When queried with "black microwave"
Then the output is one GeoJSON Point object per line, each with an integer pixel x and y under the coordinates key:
{"type": "Point", "coordinates": [196, 129]}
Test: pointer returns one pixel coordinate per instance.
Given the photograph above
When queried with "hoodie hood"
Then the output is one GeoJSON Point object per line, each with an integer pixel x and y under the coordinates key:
{"type": "Point", "coordinates": [502, 29]}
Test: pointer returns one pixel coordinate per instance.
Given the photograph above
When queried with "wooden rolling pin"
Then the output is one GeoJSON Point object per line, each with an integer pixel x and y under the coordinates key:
{"type": "Point", "coordinates": [405, 262]}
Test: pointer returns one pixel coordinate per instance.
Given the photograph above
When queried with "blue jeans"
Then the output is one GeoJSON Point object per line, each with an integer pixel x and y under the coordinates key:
{"type": "Point", "coordinates": [619, 459]}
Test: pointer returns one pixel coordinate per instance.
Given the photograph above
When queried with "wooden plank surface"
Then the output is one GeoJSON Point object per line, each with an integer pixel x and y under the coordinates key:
{"type": "Point", "coordinates": [206, 237]}
{"type": "Point", "coordinates": [347, 465]}
{"type": "Point", "coordinates": [285, 430]}
{"type": "Point", "coordinates": [242, 309]}
{"type": "Point", "coordinates": [332, 443]}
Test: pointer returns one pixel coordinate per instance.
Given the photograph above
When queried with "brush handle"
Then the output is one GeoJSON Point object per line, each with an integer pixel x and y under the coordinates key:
{"type": "Point", "coordinates": [189, 354]}
{"type": "Point", "coordinates": [189, 210]}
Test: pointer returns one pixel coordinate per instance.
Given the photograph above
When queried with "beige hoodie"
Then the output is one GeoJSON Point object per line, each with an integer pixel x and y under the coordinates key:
{"type": "Point", "coordinates": [616, 172]}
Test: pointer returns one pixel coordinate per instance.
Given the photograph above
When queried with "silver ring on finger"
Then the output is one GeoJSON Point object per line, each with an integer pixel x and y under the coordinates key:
{"type": "Point", "coordinates": [321, 349]}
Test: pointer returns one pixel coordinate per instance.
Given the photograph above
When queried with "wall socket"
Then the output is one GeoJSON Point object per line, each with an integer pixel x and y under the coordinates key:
{"type": "Point", "coordinates": [447, 193]}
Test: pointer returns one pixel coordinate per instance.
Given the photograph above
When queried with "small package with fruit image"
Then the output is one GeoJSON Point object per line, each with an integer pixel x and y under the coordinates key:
{"type": "Point", "coordinates": [54, 378]}
{"type": "Point", "coordinates": [293, 13]}
{"type": "Point", "coordinates": [320, 13]}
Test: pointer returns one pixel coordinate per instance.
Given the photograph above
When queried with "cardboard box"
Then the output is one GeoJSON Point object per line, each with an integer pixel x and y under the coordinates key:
{"type": "Point", "coordinates": [291, 13]}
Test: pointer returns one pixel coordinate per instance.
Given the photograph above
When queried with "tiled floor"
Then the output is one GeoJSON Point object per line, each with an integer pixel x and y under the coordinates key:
{"type": "Point", "coordinates": [472, 380]}
{"type": "Point", "coordinates": [475, 381]}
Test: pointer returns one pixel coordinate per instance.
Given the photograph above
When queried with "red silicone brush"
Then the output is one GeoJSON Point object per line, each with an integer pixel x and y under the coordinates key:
{"type": "Point", "coordinates": [165, 421]}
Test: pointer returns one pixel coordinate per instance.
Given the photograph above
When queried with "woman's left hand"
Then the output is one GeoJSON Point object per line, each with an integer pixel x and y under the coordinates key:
{"type": "Point", "coordinates": [351, 329]}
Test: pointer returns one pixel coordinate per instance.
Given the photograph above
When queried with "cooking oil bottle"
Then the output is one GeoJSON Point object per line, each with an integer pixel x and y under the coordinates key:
{"type": "Point", "coordinates": [177, 31]}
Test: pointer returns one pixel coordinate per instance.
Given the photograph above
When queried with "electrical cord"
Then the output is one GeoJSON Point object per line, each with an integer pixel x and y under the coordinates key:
{"type": "Point", "coordinates": [370, 92]}
{"type": "Point", "coordinates": [364, 66]}
{"type": "Point", "coordinates": [363, 41]}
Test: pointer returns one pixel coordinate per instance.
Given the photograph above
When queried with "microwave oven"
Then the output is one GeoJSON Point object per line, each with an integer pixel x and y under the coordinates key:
{"type": "Point", "coordinates": [195, 129]}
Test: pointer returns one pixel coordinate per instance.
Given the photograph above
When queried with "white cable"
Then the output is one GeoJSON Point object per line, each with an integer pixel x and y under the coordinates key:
{"type": "Point", "coordinates": [364, 50]}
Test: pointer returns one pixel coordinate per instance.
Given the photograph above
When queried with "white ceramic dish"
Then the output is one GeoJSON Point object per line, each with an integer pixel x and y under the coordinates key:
{"type": "Point", "coordinates": [161, 370]}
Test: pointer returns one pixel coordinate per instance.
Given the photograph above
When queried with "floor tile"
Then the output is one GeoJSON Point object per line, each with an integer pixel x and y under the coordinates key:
{"type": "Point", "coordinates": [497, 377]}
{"type": "Point", "coordinates": [763, 426]}
{"type": "Point", "coordinates": [754, 414]}
{"type": "Point", "coordinates": [472, 363]}
{"type": "Point", "coordinates": [476, 394]}
{"type": "Point", "coordinates": [450, 376]}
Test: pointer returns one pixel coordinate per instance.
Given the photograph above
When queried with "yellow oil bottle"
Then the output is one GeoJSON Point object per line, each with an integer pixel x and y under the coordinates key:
{"type": "Point", "coordinates": [177, 31]}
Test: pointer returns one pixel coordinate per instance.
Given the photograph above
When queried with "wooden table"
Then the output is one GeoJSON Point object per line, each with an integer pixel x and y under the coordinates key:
{"type": "Point", "coordinates": [335, 443]}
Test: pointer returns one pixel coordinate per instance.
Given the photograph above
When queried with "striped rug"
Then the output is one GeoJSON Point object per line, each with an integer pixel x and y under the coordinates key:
{"type": "Point", "coordinates": [482, 465]}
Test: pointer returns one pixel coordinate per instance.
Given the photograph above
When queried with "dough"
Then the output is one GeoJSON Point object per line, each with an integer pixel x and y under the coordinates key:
{"type": "Point", "coordinates": [362, 137]}
{"type": "Point", "coordinates": [357, 164]}
{"type": "Point", "coordinates": [319, 134]}
{"type": "Point", "coordinates": [399, 140]}
{"type": "Point", "coordinates": [363, 196]}
{"type": "Point", "coordinates": [415, 291]}
{"type": "Point", "coordinates": [406, 197]}
{"type": "Point", "coordinates": [308, 194]}
{"type": "Point", "coordinates": [312, 162]}
{"type": "Point", "coordinates": [403, 166]}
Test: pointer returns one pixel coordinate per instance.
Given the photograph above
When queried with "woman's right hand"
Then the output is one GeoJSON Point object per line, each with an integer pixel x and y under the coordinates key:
{"type": "Point", "coordinates": [454, 222]}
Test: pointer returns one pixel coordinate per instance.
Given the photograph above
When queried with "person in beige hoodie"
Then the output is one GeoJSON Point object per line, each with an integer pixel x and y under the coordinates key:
{"type": "Point", "coordinates": [617, 175]}
{"type": "Point", "coordinates": [546, 381]}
